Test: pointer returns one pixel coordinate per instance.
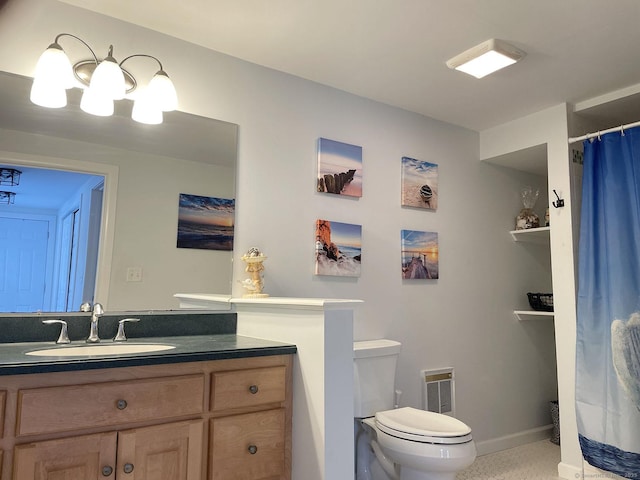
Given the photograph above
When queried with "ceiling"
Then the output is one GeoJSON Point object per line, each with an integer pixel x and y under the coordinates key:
{"type": "Point", "coordinates": [394, 51]}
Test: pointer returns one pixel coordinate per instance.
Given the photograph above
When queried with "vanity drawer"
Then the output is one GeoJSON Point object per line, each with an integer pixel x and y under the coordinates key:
{"type": "Point", "coordinates": [248, 388]}
{"type": "Point", "coordinates": [72, 407]}
{"type": "Point", "coordinates": [248, 446]}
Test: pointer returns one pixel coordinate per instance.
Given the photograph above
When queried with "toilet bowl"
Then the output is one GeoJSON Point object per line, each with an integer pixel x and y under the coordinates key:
{"type": "Point", "coordinates": [403, 443]}
{"type": "Point", "coordinates": [424, 445]}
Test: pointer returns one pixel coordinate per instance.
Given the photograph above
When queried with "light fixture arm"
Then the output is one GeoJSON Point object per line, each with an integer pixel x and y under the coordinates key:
{"type": "Point", "coordinates": [142, 55]}
{"type": "Point", "coordinates": [93, 54]}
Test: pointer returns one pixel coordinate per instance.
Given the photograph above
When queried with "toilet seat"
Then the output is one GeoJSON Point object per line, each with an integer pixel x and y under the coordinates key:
{"type": "Point", "coordinates": [422, 426]}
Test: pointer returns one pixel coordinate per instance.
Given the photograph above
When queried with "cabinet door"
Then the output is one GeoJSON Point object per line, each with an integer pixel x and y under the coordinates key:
{"type": "Point", "coordinates": [165, 452]}
{"type": "Point", "coordinates": [248, 447]}
{"type": "Point", "coordinates": [87, 457]}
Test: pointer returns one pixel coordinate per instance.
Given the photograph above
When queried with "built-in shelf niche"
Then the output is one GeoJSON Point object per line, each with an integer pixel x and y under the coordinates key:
{"type": "Point", "coordinates": [541, 236]}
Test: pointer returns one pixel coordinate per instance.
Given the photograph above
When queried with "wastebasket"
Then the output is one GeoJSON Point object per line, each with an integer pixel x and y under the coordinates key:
{"type": "Point", "coordinates": [555, 419]}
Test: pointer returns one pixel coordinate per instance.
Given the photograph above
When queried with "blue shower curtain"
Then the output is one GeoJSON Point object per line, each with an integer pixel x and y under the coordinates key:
{"type": "Point", "coordinates": [608, 330]}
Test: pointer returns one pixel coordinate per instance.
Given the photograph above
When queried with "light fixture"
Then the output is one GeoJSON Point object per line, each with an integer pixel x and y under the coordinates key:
{"type": "Point", "coordinates": [486, 58]}
{"type": "Point", "coordinates": [7, 197]}
{"type": "Point", "coordinates": [103, 82]}
{"type": "Point", "coordinates": [9, 176]}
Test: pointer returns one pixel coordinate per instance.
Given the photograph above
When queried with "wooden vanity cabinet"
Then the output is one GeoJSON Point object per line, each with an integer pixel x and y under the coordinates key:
{"type": "Point", "coordinates": [3, 396]}
{"type": "Point", "coordinates": [165, 452]}
{"type": "Point", "coordinates": [249, 445]}
{"type": "Point", "coordinates": [224, 419]}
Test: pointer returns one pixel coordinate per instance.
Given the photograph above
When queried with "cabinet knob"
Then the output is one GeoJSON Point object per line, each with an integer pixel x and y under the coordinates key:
{"type": "Point", "coordinates": [252, 449]}
{"type": "Point", "coordinates": [253, 389]}
{"type": "Point", "coordinates": [121, 404]}
{"type": "Point", "coordinates": [107, 471]}
{"type": "Point", "coordinates": [128, 468]}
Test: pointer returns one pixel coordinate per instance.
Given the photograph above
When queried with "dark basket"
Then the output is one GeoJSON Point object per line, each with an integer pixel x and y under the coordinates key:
{"type": "Point", "coordinates": [542, 302]}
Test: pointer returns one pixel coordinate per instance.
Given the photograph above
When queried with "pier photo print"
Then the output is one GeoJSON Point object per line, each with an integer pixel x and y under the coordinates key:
{"type": "Point", "coordinates": [419, 255]}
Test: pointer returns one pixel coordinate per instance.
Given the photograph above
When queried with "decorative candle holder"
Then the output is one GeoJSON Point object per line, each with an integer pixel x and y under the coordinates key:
{"type": "Point", "coordinates": [255, 283]}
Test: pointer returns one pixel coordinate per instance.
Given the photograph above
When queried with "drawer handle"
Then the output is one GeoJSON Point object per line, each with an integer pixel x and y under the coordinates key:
{"type": "Point", "coordinates": [252, 449]}
{"type": "Point", "coordinates": [121, 404]}
{"type": "Point", "coordinates": [253, 389]}
{"type": "Point", "coordinates": [128, 468]}
{"type": "Point", "coordinates": [107, 471]}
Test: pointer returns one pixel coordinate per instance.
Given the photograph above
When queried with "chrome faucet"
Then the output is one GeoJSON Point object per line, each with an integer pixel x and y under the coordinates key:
{"type": "Point", "coordinates": [95, 315]}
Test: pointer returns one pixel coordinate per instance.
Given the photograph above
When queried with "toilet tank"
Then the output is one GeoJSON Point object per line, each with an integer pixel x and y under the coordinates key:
{"type": "Point", "coordinates": [374, 372]}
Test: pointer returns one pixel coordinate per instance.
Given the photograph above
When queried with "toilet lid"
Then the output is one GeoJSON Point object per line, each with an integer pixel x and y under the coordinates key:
{"type": "Point", "coordinates": [420, 425]}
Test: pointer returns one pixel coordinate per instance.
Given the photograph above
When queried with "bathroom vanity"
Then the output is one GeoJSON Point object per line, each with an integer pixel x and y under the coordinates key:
{"type": "Point", "coordinates": [216, 406]}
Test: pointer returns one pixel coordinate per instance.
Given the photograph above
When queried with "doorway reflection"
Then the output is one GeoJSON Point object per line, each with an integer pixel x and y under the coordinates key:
{"type": "Point", "coordinates": [49, 241]}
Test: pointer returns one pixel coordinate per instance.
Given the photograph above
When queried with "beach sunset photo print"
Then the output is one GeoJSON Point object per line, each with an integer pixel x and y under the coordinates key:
{"type": "Point", "coordinates": [205, 223]}
{"type": "Point", "coordinates": [419, 184]}
{"type": "Point", "coordinates": [338, 248]}
{"type": "Point", "coordinates": [419, 255]}
{"type": "Point", "coordinates": [339, 168]}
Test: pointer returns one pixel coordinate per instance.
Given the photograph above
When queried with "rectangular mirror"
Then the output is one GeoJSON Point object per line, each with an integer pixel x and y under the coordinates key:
{"type": "Point", "coordinates": [123, 182]}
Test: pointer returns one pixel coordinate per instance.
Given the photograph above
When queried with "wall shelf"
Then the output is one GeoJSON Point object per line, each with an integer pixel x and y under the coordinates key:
{"type": "Point", "coordinates": [532, 314]}
{"type": "Point", "coordinates": [532, 235]}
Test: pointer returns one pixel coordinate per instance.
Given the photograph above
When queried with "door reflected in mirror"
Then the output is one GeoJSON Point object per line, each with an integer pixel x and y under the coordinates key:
{"type": "Point", "coordinates": [49, 240]}
{"type": "Point", "coordinates": [136, 173]}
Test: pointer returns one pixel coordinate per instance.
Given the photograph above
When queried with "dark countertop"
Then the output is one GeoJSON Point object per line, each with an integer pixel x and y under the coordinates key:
{"type": "Point", "coordinates": [195, 348]}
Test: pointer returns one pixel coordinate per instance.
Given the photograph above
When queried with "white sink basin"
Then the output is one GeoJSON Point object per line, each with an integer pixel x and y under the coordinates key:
{"type": "Point", "coordinates": [100, 349]}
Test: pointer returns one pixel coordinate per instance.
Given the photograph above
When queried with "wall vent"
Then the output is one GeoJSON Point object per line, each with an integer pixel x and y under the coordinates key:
{"type": "Point", "coordinates": [438, 391]}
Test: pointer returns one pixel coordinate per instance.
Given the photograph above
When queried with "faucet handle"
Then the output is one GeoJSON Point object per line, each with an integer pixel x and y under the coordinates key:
{"type": "Point", "coordinates": [64, 336]}
{"type": "Point", "coordinates": [120, 336]}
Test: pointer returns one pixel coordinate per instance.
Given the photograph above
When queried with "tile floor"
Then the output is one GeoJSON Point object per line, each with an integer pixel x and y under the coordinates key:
{"type": "Point", "coordinates": [533, 461]}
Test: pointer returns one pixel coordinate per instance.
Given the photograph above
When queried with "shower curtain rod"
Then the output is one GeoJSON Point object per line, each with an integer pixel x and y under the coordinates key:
{"type": "Point", "coordinates": [602, 132]}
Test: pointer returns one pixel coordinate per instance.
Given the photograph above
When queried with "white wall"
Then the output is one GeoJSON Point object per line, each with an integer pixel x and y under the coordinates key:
{"type": "Point", "coordinates": [505, 369]}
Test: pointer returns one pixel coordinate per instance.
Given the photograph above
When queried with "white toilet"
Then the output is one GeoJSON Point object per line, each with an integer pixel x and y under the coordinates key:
{"type": "Point", "coordinates": [402, 443]}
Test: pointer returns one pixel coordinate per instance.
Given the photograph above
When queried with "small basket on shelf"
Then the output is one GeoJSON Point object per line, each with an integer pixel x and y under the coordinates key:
{"type": "Point", "coordinates": [541, 302]}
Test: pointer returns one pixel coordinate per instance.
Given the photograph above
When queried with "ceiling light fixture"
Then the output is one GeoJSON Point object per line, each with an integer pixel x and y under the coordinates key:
{"type": "Point", "coordinates": [486, 58]}
{"type": "Point", "coordinates": [9, 176]}
{"type": "Point", "coordinates": [7, 198]}
{"type": "Point", "coordinates": [103, 82]}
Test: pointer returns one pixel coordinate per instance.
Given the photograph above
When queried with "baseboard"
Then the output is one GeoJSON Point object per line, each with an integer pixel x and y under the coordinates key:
{"type": "Point", "coordinates": [570, 472]}
{"type": "Point", "coordinates": [585, 472]}
{"type": "Point", "coordinates": [514, 440]}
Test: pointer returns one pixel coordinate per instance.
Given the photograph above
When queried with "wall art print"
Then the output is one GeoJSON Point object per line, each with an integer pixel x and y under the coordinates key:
{"type": "Point", "coordinates": [419, 255]}
{"type": "Point", "coordinates": [419, 184]}
{"type": "Point", "coordinates": [339, 168]}
{"type": "Point", "coordinates": [205, 223]}
{"type": "Point", "coordinates": [338, 249]}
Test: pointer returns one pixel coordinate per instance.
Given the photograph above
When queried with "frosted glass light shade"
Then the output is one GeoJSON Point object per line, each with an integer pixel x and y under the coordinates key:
{"type": "Point", "coordinates": [54, 68]}
{"type": "Point", "coordinates": [96, 104]}
{"type": "Point", "coordinates": [162, 92]}
{"type": "Point", "coordinates": [108, 80]}
{"type": "Point", "coordinates": [486, 64]}
{"type": "Point", "coordinates": [48, 94]}
{"type": "Point", "coordinates": [146, 110]}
